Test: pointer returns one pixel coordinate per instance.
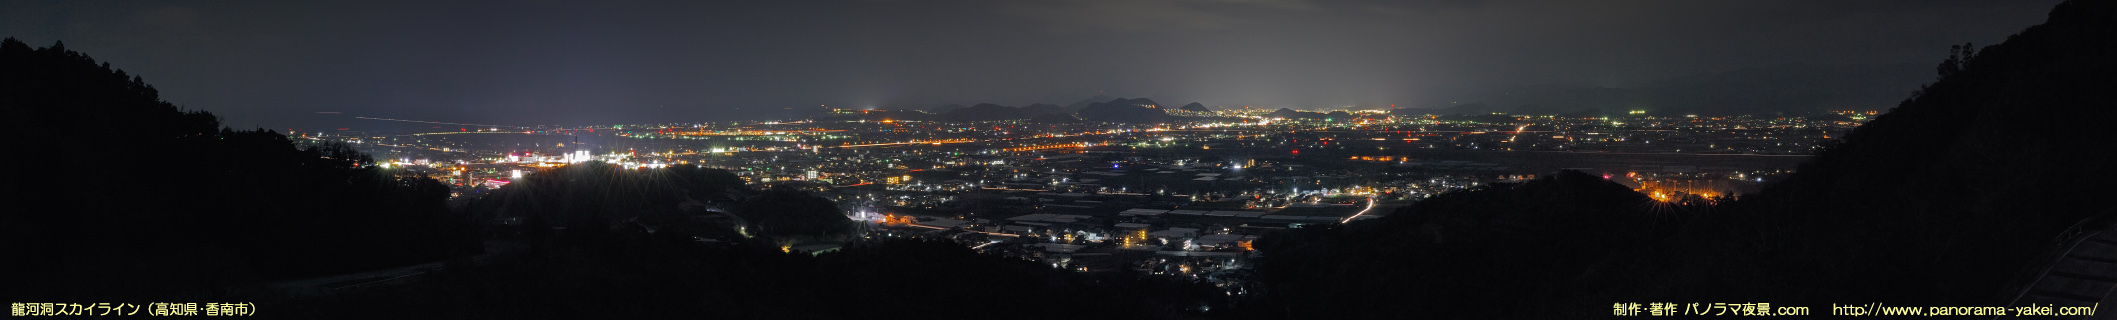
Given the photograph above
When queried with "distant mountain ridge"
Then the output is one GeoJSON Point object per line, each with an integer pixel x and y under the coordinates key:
{"type": "Point", "coordinates": [1141, 110]}
{"type": "Point", "coordinates": [1076, 106]}
{"type": "Point", "coordinates": [1791, 89]}
{"type": "Point", "coordinates": [1038, 109]}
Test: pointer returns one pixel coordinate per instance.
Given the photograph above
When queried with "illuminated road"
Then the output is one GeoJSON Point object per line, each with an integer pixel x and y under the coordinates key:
{"type": "Point", "coordinates": [2084, 274]}
{"type": "Point", "coordinates": [943, 228]}
{"type": "Point", "coordinates": [1370, 207]}
{"type": "Point", "coordinates": [333, 284]}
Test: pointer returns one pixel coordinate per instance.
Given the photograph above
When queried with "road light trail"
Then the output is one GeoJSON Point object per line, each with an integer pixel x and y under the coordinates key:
{"type": "Point", "coordinates": [1370, 207]}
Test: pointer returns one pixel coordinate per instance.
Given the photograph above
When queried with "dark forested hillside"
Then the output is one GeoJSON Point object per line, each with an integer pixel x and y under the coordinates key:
{"type": "Point", "coordinates": [1991, 160]}
{"type": "Point", "coordinates": [119, 194]}
{"type": "Point", "coordinates": [598, 191]}
{"type": "Point", "coordinates": [1511, 247]}
{"type": "Point", "coordinates": [1940, 202]}
{"type": "Point", "coordinates": [1141, 110]}
{"type": "Point", "coordinates": [680, 199]}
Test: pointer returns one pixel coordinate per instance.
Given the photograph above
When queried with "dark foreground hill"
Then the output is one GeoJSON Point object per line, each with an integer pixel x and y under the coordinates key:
{"type": "Point", "coordinates": [1940, 202]}
{"type": "Point", "coordinates": [114, 194]}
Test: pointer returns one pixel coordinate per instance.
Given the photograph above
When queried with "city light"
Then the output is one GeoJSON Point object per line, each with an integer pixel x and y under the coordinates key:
{"type": "Point", "coordinates": [1071, 186]}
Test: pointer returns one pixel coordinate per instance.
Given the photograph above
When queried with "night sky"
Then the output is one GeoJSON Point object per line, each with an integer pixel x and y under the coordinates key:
{"type": "Point", "coordinates": [277, 64]}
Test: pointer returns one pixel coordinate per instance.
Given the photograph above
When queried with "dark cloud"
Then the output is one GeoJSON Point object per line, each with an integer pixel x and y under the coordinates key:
{"type": "Point", "coordinates": [275, 64]}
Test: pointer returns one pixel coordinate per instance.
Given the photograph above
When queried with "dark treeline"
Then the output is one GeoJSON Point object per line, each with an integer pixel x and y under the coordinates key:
{"type": "Point", "coordinates": [1503, 248]}
{"type": "Point", "coordinates": [1943, 201]}
{"type": "Point", "coordinates": [599, 191]}
{"type": "Point", "coordinates": [116, 194]}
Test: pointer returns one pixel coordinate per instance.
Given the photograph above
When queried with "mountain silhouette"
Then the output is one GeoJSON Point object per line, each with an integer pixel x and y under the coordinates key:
{"type": "Point", "coordinates": [1076, 106]}
{"type": "Point", "coordinates": [984, 112]}
{"type": "Point", "coordinates": [1122, 110]}
{"type": "Point", "coordinates": [1292, 114]}
{"type": "Point", "coordinates": [1055, 118]}
{"type": "Point", "coordinates": [1195, 107]}
{"type": "Point", "coordinates": [1043, 109]}
{"type": "Point", "coordinates": [155, 201]}
{"type": "Point", "coordinates": [945, 108]}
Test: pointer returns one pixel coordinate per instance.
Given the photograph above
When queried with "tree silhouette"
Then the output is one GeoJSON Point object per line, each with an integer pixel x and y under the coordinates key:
{"type": "Point", "coordinates": [788, 212]}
